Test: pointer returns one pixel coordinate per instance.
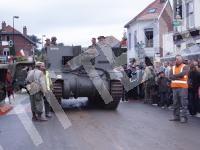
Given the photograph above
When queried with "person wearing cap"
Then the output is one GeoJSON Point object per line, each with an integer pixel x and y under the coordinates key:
{"type": "Point", "coordinates": [48, 86]}
{"type": "Point", "coordinates": [35, 80]}
{"type": "Point", "coordinates": [179, 85]}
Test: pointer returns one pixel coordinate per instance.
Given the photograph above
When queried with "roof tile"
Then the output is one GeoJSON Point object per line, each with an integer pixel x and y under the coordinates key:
{"type": "Point", "coordinates": [9, 29]}
{"type": "Point", "coordinates": [146, 15]}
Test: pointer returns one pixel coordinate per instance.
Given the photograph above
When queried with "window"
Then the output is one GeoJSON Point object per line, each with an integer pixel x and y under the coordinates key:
{"type": "Point", "coordinates": [148, 37]}
{"type": "Point", "coordinates": [190, 14]}
{"type": "Point", "coordinates": [6, 53]}
{"type": "Point", "coordinates": [151, 10]}
{"type": "Point", "coordinates": [8, 38]}
{"type": "Point", "coordinates": [135, 38]}
{"type": "Point", "coordinates": [129, 40]}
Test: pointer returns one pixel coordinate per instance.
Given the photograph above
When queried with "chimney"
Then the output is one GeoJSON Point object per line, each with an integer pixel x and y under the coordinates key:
{"type": "Point", "coordinates": [3, 25]}
{"type": "Point", "coordinates": [24, 31]}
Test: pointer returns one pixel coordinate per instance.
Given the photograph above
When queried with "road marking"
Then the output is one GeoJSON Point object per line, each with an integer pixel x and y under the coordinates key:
{"type": "Point", "coordinates": [22, 114]}
{"type": "Point", "coordinates": [1, 148]}
{"type": "Point", "coordinates": [28, 125]}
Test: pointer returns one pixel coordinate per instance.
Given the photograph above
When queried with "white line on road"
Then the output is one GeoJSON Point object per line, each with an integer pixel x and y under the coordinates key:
{"type": "Point", "coordinates": [1, 148]}
{"type": "Point", "coordinates": [28, 125]}
{"type": "Point", "coordinates": [21, 113]}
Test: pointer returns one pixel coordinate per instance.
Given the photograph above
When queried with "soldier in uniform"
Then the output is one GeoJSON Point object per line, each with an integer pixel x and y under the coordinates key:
{"type": "Point", "coordinates": [35, 79]}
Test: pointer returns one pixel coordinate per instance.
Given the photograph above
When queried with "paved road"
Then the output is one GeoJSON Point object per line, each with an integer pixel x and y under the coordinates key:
{"type": "Point", "coordinates": [134, 126]}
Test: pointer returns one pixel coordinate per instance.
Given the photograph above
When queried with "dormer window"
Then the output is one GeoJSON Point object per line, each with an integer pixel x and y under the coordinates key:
{"type": "Point", "coordinates": [151, 10]}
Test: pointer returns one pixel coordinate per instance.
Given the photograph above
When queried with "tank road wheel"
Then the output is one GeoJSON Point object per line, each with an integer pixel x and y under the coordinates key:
{"type": "Point", "coordinates": [57, 90]}
{"type": "Point", "coordinates": [116, 91]}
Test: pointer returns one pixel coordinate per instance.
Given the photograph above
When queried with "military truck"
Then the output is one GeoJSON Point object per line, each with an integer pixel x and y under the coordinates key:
{"type": "Point", "coordinates": [3, 71]}
{"type": "Point", "coordinates": [19, 73]}
{"type": "Point", "coordinates": [77, 73]}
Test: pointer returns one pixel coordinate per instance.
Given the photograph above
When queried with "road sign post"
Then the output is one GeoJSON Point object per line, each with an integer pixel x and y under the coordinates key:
{"type": "Point", "coordinates": [177, 23]}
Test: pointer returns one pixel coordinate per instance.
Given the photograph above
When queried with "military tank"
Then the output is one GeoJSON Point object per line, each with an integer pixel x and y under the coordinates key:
{"type": "Point", "coordinates": [77, 73]}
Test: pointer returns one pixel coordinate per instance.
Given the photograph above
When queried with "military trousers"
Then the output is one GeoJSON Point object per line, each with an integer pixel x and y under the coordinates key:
{"type": "Point", "coordinates": [37, 103]}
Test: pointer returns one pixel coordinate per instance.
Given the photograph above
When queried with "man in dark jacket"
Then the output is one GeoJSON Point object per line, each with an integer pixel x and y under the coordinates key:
{"type": "Point", "coordinates": [163, 85]}
{"type": "Point", "coordinates": [194, 84]}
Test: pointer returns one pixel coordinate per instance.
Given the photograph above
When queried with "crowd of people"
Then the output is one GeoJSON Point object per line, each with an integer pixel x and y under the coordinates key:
{"type": "Point", "coordinates": [174, 84]}
{"type": "Point", "coordinates": [165, 83]}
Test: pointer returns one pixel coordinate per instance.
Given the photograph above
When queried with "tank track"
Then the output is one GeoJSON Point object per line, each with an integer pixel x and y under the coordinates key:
{"type": "Point", "coordinates": [57, 90]}
{"type": "Point", "coordinates": [116, 91]}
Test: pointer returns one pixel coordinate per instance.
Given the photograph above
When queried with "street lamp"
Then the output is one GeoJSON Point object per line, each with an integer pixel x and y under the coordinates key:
{"type": "Point", "coordinates": [14, 17]}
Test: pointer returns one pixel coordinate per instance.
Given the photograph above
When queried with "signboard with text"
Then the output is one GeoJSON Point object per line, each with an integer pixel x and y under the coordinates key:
{"type": "Point", "coordinates": [3, 59]}
{"type": "Point", "coordinates": [177, 23]}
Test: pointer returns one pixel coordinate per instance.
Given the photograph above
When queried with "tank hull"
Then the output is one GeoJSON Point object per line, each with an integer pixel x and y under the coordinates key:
{"type": "Point", "coordinates": [77, 85]}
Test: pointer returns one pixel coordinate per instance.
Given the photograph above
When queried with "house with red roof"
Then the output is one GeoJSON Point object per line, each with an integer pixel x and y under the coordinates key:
{"type": "Point", "coordinates": [23, 44]}
{"type": "Point", "coordinates": [145, 31]}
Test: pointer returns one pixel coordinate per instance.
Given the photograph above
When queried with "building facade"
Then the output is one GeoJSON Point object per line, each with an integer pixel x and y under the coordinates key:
{"type": "Point", "coordinates": [145, 31]}
{"type": "Point", "coordinates": [187, 31]}
{"type": "Point", "coordinates": [21, 40]}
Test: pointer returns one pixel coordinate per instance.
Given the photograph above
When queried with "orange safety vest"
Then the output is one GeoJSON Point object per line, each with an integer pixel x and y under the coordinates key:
{"type": "Point", "coordinates": [180, 83]}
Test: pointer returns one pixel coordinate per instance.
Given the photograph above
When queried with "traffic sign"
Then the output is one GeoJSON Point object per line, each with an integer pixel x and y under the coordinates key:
{"type": "Point", "coordinates": [3, 59]}
{"type": "Point", "coordinates": [10, 43]}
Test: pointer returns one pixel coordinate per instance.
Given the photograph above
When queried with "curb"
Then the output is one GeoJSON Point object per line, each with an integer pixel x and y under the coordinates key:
{"type": "Point", "coordinates": [5, 108]}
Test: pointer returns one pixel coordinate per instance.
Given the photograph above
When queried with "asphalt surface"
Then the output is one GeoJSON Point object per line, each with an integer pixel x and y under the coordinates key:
{"type": "Point", "coordinates": [134, 126]}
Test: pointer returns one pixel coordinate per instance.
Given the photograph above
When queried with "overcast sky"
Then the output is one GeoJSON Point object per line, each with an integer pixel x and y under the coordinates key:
{"type": "Point", "coordinates": [72, 21]}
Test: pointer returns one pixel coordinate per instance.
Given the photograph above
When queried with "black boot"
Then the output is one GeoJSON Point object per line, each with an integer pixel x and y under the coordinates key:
{"type": "Point", "coordinates": [175, 118]}
{"type": "Point", "coordinates": [183, 120]}
{"type": "Point", "coordinates": [34, 116]}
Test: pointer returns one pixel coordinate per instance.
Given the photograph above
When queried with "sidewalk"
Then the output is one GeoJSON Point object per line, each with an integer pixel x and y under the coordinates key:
{"type": "Point", "coordinates": [6, 107]}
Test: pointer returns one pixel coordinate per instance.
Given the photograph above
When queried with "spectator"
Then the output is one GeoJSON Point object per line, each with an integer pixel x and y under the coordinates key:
{"type": "Point", "coordinates": [167, 69]}
{"type": "Point", "coordinates": [148, 80]}
{"type": "Point", "coordinates": [130, 72]}
{"type": "Point", "coordinates": [194, 83]}
{"type": "Point", "coordinates": [163, 84]}
{"type": "Point", "coordinates": [198, 66]}
{"type": "Point", "coordinates": [139, 72]}
{"type": "Point", "coordinates": [9, 85]}
{"type": "Point", "coordinates": [179, 85]}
